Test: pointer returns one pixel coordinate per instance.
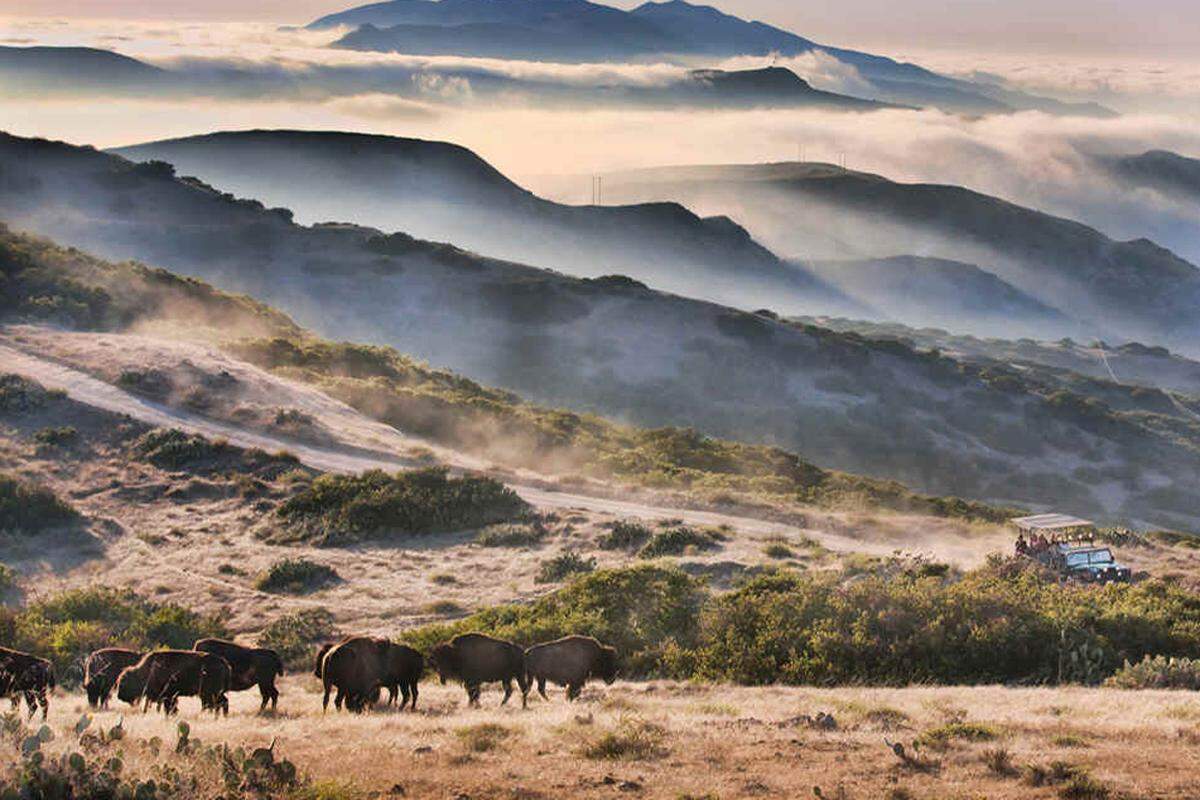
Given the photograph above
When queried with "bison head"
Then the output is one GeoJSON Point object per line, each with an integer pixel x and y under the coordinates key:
{"type": "Point", "coordinates": [445, 660]}
{"type": "Point", "coordinates": [607, 668]}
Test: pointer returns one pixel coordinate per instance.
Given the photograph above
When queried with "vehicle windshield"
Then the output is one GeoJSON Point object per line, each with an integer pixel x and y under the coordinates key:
{"type": "Point", "coordinates": [1090, 558]}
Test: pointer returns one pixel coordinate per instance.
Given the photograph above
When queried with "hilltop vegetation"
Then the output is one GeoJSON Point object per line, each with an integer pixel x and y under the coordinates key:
{"type": "Point", "coordinates": [26, 508]}
{"type": "Point", "coordinates": [340, 509]}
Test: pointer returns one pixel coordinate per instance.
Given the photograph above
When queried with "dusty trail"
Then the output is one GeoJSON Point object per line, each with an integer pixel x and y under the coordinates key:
{"type": "Point", "coordinates": [88, 390]}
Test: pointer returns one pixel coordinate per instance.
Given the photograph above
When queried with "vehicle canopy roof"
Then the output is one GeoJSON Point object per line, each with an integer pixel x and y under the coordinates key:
{"type": "Point", "coordinates": [1051, 522]}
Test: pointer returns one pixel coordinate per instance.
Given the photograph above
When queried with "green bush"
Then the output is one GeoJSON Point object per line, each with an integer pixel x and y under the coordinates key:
{"type": "Point", "coordinates": [20, 395]}
{"type": "Point", "coordinates": [171, 448]}
{"type": "Point", "coordinates": [57, 437]}
{"type": "Point", "coordinates": [678, 541]}
{"type": "Point", "coordinates": [67, 627]}
{"type": "Point", "coordinates": [563, 566]}
{"type": "Point", "coordinates": [8, 579]}
{"type": "Point", "coordinates": [295, 636]}
{"type": "Point", "coordinates": [999, 624]}
{"type": "Point", "coordinates": [511, 535]}
{"type": "Point", "coordinates": [625, 535]}
{"type": "Point", "coordinates": [31, 509]}
{"type": "Point", "coordinates": [339, 509]}
{"type": "Point", "coordinates": [296, 576]}
{"type": "Point", "coordinates": [1158, 672]}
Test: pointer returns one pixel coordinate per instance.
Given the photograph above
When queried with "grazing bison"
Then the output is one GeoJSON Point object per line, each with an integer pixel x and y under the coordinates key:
{"type": "Point", "coordinates": [569, 662]}
{"type": "Point", "coordinates": [250, 666]}
{"type": "Point", "coordinates": [356, 667]}
{"type": "Point", "coordinates": [360, 666]}
{"type": "Point", "coordinates": [101, 670]}
{"type": "Point", "coordinates": [476, 659]}
{"type": "Point", "coordinates": [162, 677]}
{"type": "Point", "coordinates": [27, 676]}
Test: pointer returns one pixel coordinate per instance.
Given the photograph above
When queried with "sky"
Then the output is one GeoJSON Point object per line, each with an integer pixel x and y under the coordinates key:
{"type": "Point", "coordinates": [1159, 28]}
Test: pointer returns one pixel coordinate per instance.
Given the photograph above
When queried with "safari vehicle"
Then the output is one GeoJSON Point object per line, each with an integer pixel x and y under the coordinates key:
{"type": "Point", "coordinates": [1068, 546]}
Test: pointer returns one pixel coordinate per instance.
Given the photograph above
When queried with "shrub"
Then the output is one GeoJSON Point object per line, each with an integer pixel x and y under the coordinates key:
{"type": "Point", "coordinates": [67, 627]}
{"type": "Point", "coordinates": [511, 535]}
{"type": "Point", "coordinates": [350, 508]}
{"type": "Point", "coordinates": [483, 737]}
{"type": "Point", "coordinates": [941, 737]}
{"type": "Point", "coordinates": [564, 566]}
{"type": "Point", "coordinates": [778, 550]}
{"type": "Point", "coordinates": [625, 535]}
{"type": "Point", "coordinates": [57, 437]}
{"type": "Point", "coordinates": [677, 541]}
{"type": "Point", "coordinates": [31, 509]}
{"type": "Point", "coordinates": [1158, 672]}
{"type": "Point", "coordinates": [999, 762]}
{"type": "Point", "coordinates": [171, 448]}
{"type": "Point", "coordinates": [19, 395]}
{"type": "Point", "coordinates": [8, 579]}
{"type": "Point", "coordinates": [296, 576]}
{"type": "Point", "coordinates": [295, 635]}
{"type": "Point", "coordinates": [632, 740]}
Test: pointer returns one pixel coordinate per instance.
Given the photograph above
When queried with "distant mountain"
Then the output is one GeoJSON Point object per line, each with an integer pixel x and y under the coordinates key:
{"type": "Point", "coordinates": [774, 87]}
{"type": "Point", "coordinates": [581, 31]}
{"type": "Point", "coordinates": [444, 192]}
{"type": "Point", "coordinates": [64, 70]}
{"type": "Point", "coordinates": [1162, 170]}
{"type": "Point", "coordinates": [941, 293]}
{"type": "Point", "coordinates": [615, 346]}
{"type": "Point", "coordinates": [1132, 290]}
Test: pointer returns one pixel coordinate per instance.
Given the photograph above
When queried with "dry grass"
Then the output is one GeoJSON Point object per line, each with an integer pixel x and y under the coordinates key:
{"type": "Point", "coordinates": [665, 739]}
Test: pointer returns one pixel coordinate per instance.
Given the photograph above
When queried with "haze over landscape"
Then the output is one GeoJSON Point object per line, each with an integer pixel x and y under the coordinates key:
{"type": "Point", "coordinates": [812, 393]}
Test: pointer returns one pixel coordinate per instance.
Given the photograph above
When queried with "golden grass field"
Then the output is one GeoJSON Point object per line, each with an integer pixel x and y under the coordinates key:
{"type": "Point", "coordinates": [671, 740]}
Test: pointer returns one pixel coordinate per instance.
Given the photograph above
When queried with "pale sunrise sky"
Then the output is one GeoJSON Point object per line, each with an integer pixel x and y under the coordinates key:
{"type": "Point", "coordinates": [1168, 28]}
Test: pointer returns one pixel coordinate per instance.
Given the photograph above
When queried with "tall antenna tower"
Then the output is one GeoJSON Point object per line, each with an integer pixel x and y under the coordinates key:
{"type": "Point", "coordinates": [597, 190]}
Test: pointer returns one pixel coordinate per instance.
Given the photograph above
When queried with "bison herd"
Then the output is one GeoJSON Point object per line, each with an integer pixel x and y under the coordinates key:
{"type": "Point", "coordinates": [354, 670]}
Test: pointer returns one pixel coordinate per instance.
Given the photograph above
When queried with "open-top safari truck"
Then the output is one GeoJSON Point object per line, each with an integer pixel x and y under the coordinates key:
{"type": "Point", "coordinates": [1068, 545]}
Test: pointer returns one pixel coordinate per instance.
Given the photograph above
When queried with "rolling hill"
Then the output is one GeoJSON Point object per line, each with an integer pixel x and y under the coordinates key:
{"type": "Point", "coordinates": [614, 346]}
{"type": "Point", "coordinates": [1130, 290]}
{"type": "Point", "coordinates": [1161, 170]}
{"type": "Point", "coordinates": [443, 192]}
{"type": "Point", "coordinates": [33, 71]}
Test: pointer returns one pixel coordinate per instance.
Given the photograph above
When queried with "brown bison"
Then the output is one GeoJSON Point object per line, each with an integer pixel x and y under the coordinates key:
{"type": "Point", "coordinates": [355, 667]}
{"type": "Point", "coordinates": [162, 677]}
{"type": "Point", "coordinates": [362, 665]}
{"type": "Point", "coordinates": [476, 659]}
{"type": "Point", "coordinates": [101, 670]}
{"type": "Point", "coordinates": [26, 676]}
{"type": "Point", "coordinates": [569, 662]}
{"type": "Point", "coordinates": [250, 666]}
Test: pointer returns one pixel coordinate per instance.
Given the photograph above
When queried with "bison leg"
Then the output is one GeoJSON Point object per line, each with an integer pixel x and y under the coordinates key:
{"type": "Point", "coordinates": [413, 689]}
{"type": "Point", "coordinates": [392, 695]}
{"type": "Point", "coordinates": [523, 682]}
{"type": "Point", "coordinates": [403, 695]}
{"type": "Point", "coordinates": [269, 695]}
{"type": "Point", "coordinates": [473, 694]}
{"type": "Point", "coordinates": [508, 690]}
{"type": "Point", "coordinates": [325, 699]}
{"type": "Point", "coordinates": [541, 687]}
{"type": "Point", "coordinates": [573, 690]}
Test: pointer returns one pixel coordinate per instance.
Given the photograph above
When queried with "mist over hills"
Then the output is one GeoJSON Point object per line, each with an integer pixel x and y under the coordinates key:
{"type": "Point", "coordinates": [33, 71]}
{"type": "Point", "coordinates": [614, 346]}
{"type": "Point", "coordinates": [581, 31]}
{"type": "Point", "coordinates": [443, 192]}
{"type": "Point", "coordinates": [1124, 290]}
{"type": "Point", "coordinates": [1161, 170]}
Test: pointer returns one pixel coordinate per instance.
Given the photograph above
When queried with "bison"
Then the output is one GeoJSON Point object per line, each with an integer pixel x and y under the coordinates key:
{"type": "Point", "coordinates": [403, 668]}
{"type": "Point", "coordinates": [101, 670]}
{"type": "Point", "coordinates": [27, 676]}
{"type": "Point", "coordinates": [162, 677]}
{"type": "Point", "coordinates": [476, 659]}
{"type": "Point", "coordinates": [569, 662]}
{"type": "Point", "coordinates": [355, 667]}
{"type": "Point", "coordinates": [250, 666]}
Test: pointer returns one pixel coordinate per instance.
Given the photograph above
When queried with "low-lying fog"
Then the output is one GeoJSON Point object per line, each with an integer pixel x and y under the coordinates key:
{"type": "Point", "coordinates": [1029, 158]}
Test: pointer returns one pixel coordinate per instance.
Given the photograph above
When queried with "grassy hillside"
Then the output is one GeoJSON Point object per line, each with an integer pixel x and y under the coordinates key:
{"type": "Point", "coordinates": [613, 347]}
